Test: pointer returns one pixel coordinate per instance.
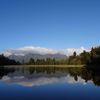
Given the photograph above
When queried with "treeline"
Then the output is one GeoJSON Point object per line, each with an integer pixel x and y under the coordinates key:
{"type": "Point", "coordinates": [95, 56]}
{"type": "Point", "coordinates": [84, 58]}
{"type": "Point", "coordinates": [47, 61]}
{"type": "Point", "coordinates": [71, 60]}
{"type": "Point", "coordinates": [6, 61]}
{"type": "Point", "coordinates": [87, 58]}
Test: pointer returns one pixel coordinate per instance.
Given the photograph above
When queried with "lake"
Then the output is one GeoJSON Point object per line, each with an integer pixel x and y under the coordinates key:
{"type": "Point", "coordinates": [49, 83]}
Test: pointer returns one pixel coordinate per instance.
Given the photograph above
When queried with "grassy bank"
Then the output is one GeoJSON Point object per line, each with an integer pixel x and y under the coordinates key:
{"type": "Point", "coordinates": [45, 65]}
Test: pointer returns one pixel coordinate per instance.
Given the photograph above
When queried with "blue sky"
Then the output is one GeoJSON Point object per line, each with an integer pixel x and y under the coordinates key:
{"type": "Point", "coordinates": [49, 23]}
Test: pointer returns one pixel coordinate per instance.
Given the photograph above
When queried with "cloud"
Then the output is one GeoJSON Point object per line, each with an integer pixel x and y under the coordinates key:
{"type": "Point", "coordinates": [69, 51]}
{"type": "Point", "coordinates": [40, 50]}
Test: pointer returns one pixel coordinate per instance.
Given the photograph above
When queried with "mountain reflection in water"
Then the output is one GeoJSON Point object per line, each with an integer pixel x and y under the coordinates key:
{"type": "Point", "coordinates": [36, 76]}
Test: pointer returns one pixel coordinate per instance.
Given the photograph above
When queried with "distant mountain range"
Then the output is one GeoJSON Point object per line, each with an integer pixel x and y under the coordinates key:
{"type": "Point", "coordinates": [27, 57]}
{"type": "Point", "coordinates": [25, 53]}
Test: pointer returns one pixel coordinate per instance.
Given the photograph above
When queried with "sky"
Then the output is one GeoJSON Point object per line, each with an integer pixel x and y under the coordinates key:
{"type": "Point", "coordinates": [49, 23]}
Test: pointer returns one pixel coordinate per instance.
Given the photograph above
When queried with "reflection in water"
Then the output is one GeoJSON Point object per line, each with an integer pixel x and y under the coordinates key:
{"type": "Point", "coordinates": [36, 76]}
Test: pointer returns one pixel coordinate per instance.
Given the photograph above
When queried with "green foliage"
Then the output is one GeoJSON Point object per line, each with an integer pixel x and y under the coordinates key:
{"type": "Point", "coordinates": [5, 61]}
{"type": "Point", "coordinates": [47, 61]}
{"type": "Point", "coordinates": [74, 54]}
{"type": "Point", "coordinates": [92, 58]}
{"type": "Point", "coordinates": [95, 56]}
{"type": "Point", "coordinates": [85, 58]}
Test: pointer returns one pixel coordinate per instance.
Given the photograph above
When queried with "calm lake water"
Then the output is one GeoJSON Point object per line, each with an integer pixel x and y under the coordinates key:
{"type": "Point", "coordinates": [49, 83]}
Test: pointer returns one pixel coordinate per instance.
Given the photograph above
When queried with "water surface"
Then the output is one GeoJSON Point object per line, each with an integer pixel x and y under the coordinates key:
{"type": "Point", "coordinates": [49, 83]}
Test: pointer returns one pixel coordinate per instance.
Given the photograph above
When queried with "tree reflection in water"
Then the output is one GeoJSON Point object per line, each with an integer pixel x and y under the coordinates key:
{"type": "Point", "coordinates": [31, 72]}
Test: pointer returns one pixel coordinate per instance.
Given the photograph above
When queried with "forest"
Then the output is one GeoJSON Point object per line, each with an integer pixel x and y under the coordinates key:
{"type": "Point", "coordinates": [91, 58]}
{"type": "Point", "coordinates": [85, 58]}
{"type": "Point", "coordinates": [6, 61]}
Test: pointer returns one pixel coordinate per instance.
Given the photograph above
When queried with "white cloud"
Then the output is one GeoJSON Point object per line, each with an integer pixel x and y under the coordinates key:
{"type": "Point", "coordinates": [41, 50]}
{"type": "Point", "coordinates": [69, 51]}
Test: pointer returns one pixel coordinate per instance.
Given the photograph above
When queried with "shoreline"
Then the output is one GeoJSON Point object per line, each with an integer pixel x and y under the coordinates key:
{"type": "Point", "coordinates": [64, 66]}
